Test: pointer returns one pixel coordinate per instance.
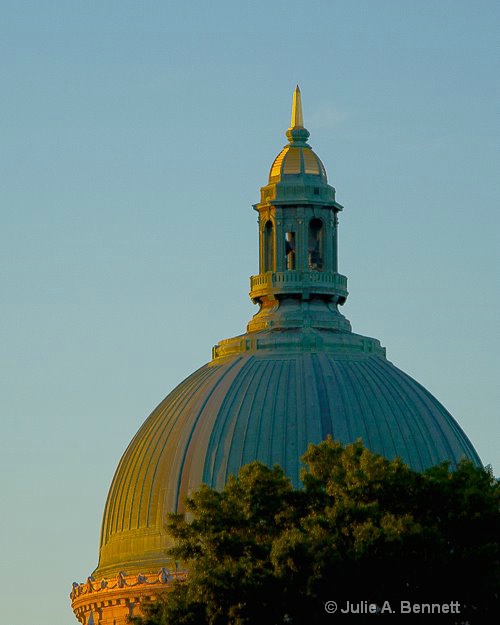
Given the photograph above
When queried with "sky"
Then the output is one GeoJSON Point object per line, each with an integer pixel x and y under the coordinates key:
{"type": "Point", "coordinates": [134, 139]}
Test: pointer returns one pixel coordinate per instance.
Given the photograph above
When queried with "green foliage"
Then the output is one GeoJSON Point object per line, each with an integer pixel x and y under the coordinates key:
{"type": "Point", "coordinates": [363, 528]}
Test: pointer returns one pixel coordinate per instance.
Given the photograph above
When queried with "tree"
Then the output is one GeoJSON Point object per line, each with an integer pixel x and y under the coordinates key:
{"type": "Point", "coordinates": [363, 530]}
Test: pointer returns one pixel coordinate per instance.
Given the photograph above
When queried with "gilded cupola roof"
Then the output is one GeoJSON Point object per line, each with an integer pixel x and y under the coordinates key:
{"type": "Point", "coordinates": [297, 158]}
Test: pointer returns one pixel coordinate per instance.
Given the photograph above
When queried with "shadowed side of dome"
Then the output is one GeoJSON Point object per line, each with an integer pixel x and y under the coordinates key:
{"type": "Point", "coordinates": [277, 406]}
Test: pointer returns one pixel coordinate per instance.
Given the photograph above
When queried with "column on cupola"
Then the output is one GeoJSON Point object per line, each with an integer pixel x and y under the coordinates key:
{"type": "Point", "coordinates": [280, 237]}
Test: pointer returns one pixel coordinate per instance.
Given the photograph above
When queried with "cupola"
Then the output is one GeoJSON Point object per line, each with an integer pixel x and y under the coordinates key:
{"type": "Point", "coordinates": [298, 235]}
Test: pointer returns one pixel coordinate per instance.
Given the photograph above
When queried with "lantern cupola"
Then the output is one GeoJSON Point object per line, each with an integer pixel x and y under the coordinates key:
{"type": "Point", "coordinates": [298, 239]}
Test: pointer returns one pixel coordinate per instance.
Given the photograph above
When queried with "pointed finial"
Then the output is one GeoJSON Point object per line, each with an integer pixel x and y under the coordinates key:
{"type": "Point", "coordinates": [297, 120]}
{"type": "Point", "coordinates": [297, 134]}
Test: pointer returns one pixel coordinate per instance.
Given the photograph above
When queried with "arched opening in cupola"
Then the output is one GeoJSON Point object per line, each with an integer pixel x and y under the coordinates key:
{"type": "Point", "coordinates": [268, 247]}
{"type": "Point", "coordinates": [290, 250]}
{"type": "Point", "coordinates": [315, 244]}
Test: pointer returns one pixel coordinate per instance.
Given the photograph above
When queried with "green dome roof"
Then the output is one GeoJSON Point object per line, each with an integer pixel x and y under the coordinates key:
{"type": "Point", "coordinates": [267, 406]}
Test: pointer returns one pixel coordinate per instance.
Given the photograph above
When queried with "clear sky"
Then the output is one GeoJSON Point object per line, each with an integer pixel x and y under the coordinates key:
{"type": "Point", "coordinates": [134, 139]}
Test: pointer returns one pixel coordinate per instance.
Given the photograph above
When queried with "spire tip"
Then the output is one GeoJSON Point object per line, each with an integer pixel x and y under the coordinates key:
{"type": "Point", "coordinates": [297, 120]}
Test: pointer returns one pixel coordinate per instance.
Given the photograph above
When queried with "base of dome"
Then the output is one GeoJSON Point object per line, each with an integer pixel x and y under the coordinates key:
{"type": "Point", "coordinates": [112, 601]}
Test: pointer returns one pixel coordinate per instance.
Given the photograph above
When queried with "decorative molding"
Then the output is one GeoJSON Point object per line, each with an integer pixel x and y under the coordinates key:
{"type": "Point", "coordinates": [122, 580]}
{"type": "Point", "coordinates": [111, 601]}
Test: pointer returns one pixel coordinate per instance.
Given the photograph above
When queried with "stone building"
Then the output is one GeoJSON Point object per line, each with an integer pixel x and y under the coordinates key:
{"type": "Point", "coordinates": [298, 374]}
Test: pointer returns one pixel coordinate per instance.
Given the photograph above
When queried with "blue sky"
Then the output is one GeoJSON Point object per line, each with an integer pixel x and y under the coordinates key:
{"type": "Point", "coordinates": [135, 137]}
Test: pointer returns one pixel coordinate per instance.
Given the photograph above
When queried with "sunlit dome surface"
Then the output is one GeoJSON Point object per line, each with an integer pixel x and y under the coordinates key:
{"type": "Point", "coordinates": [293, 161]}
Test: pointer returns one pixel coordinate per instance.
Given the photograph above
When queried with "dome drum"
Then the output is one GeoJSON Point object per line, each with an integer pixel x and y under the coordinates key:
{"type": "Point", "coordinates": [109, 601]}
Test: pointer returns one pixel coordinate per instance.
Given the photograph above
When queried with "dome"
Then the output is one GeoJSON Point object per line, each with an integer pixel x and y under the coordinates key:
{"type": "Point", "coordinates": [297, 375]}
{"type": "Point", "coordinates": [293, 161]}
{"type": "Point", "coordinates": [267, 404]}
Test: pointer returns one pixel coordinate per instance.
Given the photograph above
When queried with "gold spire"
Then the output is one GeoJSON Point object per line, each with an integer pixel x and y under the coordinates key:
{"type": "Point", "coordinates": [297, 134]}
{"type": "Point", "coordinates": [297, 121]}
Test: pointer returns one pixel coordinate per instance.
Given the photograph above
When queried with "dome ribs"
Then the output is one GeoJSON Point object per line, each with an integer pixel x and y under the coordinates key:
{"type": "Point", "coordinates": [192, 443]}
{"type": "Point", "coordinates": [398, 413]}
{"type": "Point", "coordinates": [444, 434]}
{"type": "Point", "coordinates": [221, 438]}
